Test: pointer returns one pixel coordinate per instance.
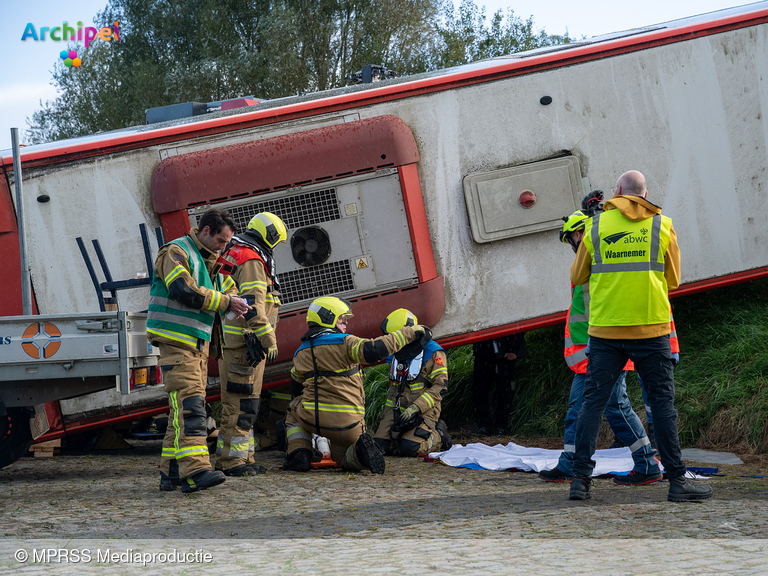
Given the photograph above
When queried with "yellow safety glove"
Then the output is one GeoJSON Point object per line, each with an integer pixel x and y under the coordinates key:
{"type": "Point", "coordinates": [409, 412]}
{"type": "Point", "coordinates": [272, 353]}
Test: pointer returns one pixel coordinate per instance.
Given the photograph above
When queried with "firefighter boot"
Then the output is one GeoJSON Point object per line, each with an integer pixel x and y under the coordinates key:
{"type": "Point", "coordinates": [369, 454]}
{"type": "Point", "coordinates": [300, 460]}
{"type": "Point", "coordinates": [171, 482]}
{"type": "Point", "coordinates": [445, 438]}
{"type": "Point", "coordinates": [202, 480]}
{"type": "Point", "coordinates": [245, 470]}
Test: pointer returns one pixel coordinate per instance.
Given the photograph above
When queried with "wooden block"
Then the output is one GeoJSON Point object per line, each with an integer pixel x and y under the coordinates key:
{"type": "Point", "coordinates": [50, 444]}
{"type": "Point", "coordinates": [43, 454]}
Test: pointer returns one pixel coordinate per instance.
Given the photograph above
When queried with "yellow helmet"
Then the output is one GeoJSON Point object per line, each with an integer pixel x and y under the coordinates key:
{"type": "Point", "coordinates": [575, 221]}
{"type": "Point", "coordinates": [270, 228]}
{"type": "Point", "coordinates": [327, 310]}
{"type": "Point", "coordinates": [400, 318]}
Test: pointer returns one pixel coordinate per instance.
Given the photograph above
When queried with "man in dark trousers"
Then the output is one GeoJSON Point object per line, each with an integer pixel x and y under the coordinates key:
{"type": "Point", "coordinates": [493, 382]}
{"type": "Point", "coordinates": [629, 257]}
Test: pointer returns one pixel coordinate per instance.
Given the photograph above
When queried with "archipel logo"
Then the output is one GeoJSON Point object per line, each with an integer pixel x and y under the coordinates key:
{"type": "Point", "coordinates": [70, 58]}
{"type": "Point", "coordinates": [41, 340]}
{"type": "Point", "coordinates": [59, 33]}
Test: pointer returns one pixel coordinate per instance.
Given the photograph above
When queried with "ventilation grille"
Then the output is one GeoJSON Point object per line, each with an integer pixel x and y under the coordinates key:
{"type": "Point", "coordinates": [295, 211]}
{"type": "Point", "coordinates": [310, 283]}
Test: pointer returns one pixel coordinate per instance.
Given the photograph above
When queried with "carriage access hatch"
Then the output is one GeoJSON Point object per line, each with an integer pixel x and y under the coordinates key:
{"type": "Point", "coordinates": [522, 199]}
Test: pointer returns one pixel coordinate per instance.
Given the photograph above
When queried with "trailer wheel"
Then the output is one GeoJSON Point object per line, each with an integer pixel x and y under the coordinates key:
{"type": "Point", "coordinates": [15, 436]}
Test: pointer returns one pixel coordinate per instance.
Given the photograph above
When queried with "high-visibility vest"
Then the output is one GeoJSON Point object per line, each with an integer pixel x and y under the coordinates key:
{"type": "Point", "coordinates": [627, 283]}
{"type": "Point", "coordinates": [673, 343]}
{"type": "Point", "coordinates": [171, 319]}
{"type": "Point", "coordinates": [576, 329]}
{"type": "Point", "coordinates": [575, 332]}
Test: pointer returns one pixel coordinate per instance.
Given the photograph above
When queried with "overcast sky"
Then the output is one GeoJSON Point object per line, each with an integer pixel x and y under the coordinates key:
{"type": "Point", "coordinates": [26, 76]}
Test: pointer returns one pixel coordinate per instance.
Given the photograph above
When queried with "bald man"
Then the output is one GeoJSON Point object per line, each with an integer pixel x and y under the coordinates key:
{"type": "Point", "coordinates": [630, 258]}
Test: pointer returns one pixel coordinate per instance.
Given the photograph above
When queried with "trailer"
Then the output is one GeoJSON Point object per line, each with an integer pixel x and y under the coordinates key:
{"type": "Point", "coordinates": [440, 192]}
{"type": "Point", "coordinates": [45, 358]}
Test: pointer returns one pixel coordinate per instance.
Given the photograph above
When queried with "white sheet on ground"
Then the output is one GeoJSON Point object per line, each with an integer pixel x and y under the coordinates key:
{"type": "Point", "coordinates": [500, 457]}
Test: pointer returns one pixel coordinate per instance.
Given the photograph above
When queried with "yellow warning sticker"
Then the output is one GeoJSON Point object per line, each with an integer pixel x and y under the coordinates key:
{"type": "Point", "coordinates": [361, 263]}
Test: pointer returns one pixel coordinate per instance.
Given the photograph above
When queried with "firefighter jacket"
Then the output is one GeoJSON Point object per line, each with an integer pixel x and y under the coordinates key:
{"type": "Point", "coordinates": [332, 384]}
{"type": "Point", "coordinates": [426, 381]}
{"type": "Point", "coordinates": [186, 293]}
{"type": "Point", "coordinates": [629, 256]}
{"type": "Point", "coordinates": [253, 279]}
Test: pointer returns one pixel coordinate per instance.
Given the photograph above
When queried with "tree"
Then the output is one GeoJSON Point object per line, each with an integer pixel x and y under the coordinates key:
{"type": "Point", "coordinates": [173, 51]}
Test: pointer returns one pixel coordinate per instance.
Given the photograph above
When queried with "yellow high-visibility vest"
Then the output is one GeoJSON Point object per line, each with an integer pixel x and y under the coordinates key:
{"type": "Point", "coordinates": [627, 284]}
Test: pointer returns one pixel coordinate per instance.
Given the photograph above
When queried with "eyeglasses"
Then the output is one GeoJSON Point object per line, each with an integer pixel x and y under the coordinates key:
{"type": "Point", "coordinates": [613, 190]}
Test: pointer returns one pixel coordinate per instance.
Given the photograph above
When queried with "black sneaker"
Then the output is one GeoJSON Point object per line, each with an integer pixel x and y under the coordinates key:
{"type": "Point", "coordinates": [554, 475]}
{"type": "Point", "coordinates": [580, 489]}
{"type": "Point", "coordinates": [300, 460]}
{"type": "Point", "coordinates": [169, 483]}
{"type": "Point", "coordinates": [445, 438]}
{"type": "Point", "coordinates": [245, 470]}
{"type": "Point", "coordinates": [368, 454]}
{"type": "Point", "coordinates": [683, 490]}
{"type": "Point", "coordinates": [636, 478]}
{"type": "Point", "coordinates": [202, 480]}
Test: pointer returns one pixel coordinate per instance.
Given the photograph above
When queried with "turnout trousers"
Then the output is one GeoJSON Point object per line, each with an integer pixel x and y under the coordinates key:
{"type": "Point", "coordinates": [274, 404]}
{"type": "Point", "coordinates": [185, 374]}
{"type": "Point", "coordinates": [240, 399]}
{"type": "Point", "coordinates": [419, 440]}
{"type": "Point", "coordinates": [341, 429]}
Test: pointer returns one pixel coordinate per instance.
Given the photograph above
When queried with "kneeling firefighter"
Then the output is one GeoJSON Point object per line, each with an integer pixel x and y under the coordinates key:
{"type": "Point", "coordinates": [328, 385]}
{"type": "Point", "coordinates": [248, 341]}
{"type": "Point", "coordinates": [410, 424]}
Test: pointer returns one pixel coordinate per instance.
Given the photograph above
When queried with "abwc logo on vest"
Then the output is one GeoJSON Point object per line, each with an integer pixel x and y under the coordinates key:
{"type": "Point", "coordinates": [66, 33]}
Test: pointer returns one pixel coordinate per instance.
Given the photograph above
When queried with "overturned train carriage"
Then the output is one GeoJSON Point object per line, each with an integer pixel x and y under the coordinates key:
{"type": "Point", "coordinates": [440, 192]}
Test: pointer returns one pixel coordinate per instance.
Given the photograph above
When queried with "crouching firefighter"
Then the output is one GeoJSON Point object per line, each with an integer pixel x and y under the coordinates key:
{"type": "Point", "coordinates": [186, 295]}
{"type": "Point", "coordinates": [418, 375]}
{"type": "Point", "coordinates": [328, 385]}
{"type": "Point", "coordinates": [248, 342]}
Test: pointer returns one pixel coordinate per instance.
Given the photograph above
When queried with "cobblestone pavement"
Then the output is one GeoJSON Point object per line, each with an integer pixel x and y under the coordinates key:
{"type": "Point", "coordinates": [418, 518]}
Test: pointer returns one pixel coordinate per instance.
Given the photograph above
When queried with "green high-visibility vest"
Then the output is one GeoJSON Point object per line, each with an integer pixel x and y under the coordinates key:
{"type": "Point", "coordinates": [168, 318]}
{"type": "Point", "coordinates": [578, 319]}
{"type": "Point", "coordinates": [627, 285]}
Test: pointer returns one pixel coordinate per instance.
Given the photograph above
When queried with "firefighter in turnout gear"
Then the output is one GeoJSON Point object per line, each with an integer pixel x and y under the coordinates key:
{"type": "Point", "coordinates": [186, 295]}
{"type": "Point", "coordinates": [410, 424]}
{"type": "Point", "coordinates": [253, 270]}
{"type": "Point", "coordinates": [274, 404]}
{"type": "Point", "coordinates": [328, 384]}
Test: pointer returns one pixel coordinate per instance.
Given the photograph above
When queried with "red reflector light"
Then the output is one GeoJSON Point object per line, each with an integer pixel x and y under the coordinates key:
{"type": "Point", "coordinates": [527, 199]}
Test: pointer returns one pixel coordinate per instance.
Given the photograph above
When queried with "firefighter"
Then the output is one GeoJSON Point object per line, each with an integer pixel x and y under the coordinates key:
{"type": "Point", "coordinates": [418, 373]}
{"type": "Point", "coordinates": [619, 413]}
{"type": "Point", "coordinates": [274, 404]}
{"type": "Point", "coordinates": [328, 384]}
{"type": "Point", "coordinates": [253, 270]}
{"type": "Point", "coordinates": [186, 295]}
